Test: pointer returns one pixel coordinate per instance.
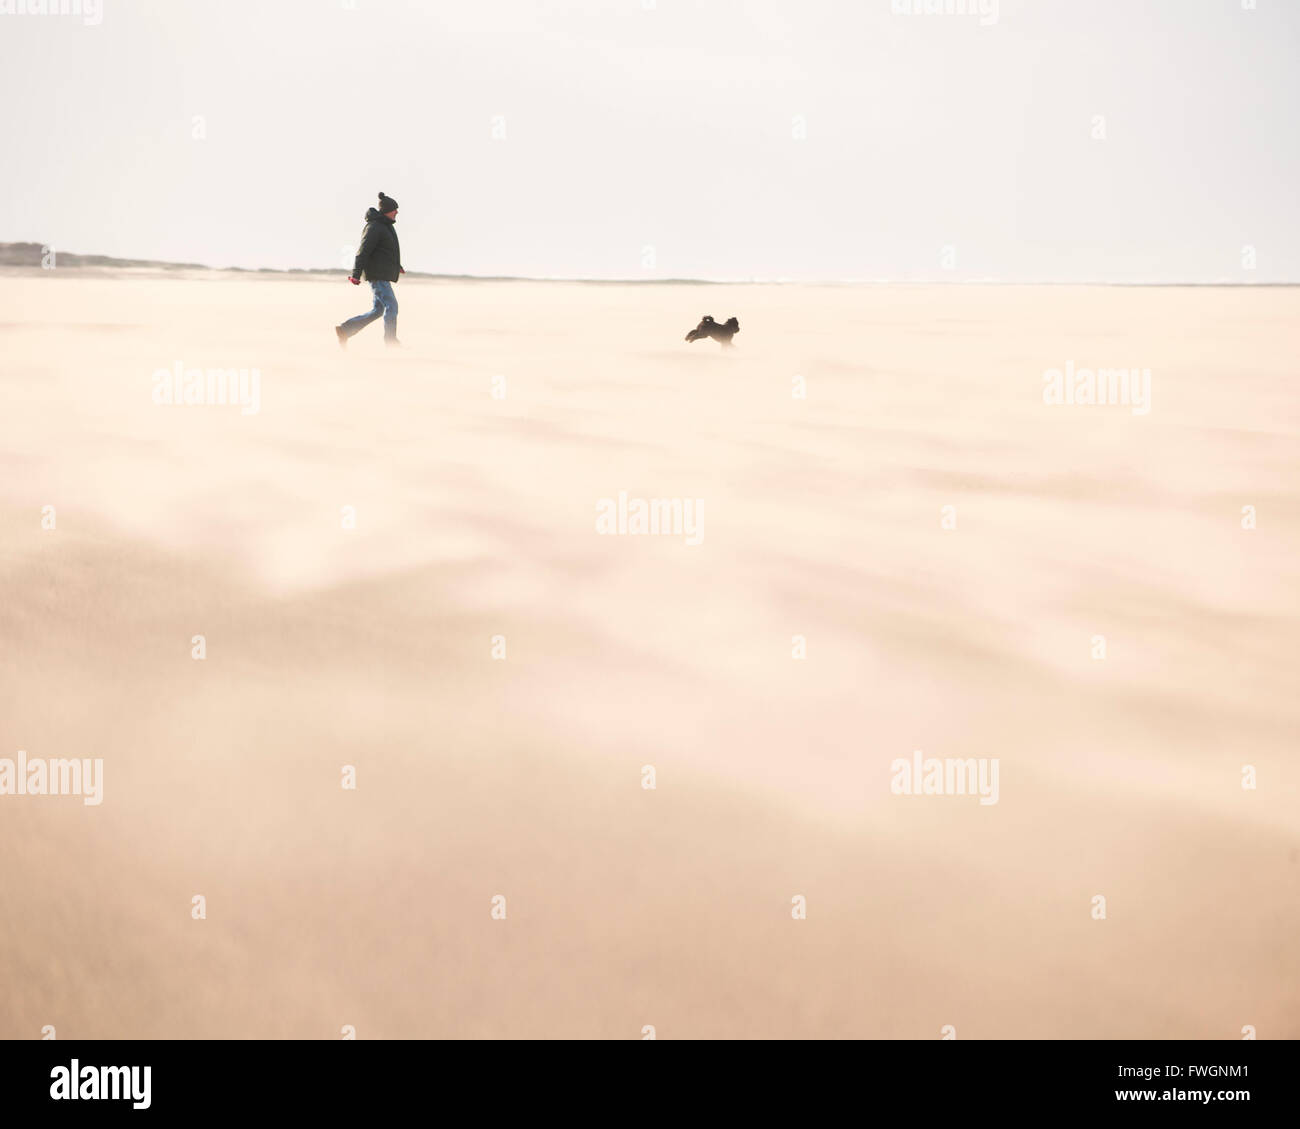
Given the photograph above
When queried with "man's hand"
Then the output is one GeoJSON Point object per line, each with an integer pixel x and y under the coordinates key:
{"type": "Point", "coordinates": [354, 281]}
{"type": "Point", "coordinates": [402, 269]}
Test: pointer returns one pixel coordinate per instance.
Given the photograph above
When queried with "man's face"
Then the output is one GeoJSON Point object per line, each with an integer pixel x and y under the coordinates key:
{"type": "Point", "coordinates": [392, 215]}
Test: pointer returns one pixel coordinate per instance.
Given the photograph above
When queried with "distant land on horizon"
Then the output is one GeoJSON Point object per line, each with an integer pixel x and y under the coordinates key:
{"type": "Point", "coordinates": [32, 254]}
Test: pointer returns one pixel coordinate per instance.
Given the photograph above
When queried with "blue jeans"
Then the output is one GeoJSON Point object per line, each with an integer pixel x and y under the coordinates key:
{"type": "Point", "coordinates": [385, 305]}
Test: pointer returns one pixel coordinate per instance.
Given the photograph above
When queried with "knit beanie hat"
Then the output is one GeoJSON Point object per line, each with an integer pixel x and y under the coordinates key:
{"type": "Point", "coordinates": [387, 203]}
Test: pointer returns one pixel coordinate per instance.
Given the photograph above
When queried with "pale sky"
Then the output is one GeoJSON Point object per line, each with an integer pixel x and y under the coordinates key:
{"type": "Point", "coordinates": [1065, 140]}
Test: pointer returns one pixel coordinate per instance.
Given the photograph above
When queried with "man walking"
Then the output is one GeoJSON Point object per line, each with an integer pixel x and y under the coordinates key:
{"type": "Point", "coordinates": [380, 258]}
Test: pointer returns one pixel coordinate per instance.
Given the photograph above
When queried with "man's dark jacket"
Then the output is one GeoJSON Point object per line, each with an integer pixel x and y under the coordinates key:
{"type": "Point", "coordinates": [380, 255]}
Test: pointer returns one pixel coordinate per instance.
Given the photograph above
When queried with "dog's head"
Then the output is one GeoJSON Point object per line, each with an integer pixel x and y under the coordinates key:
{"type": "Point", "coordinates": [733, 324]}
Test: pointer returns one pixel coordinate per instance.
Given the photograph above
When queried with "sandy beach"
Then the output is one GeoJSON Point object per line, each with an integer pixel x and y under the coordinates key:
{"type": "Point", "coordinates": [395, 565]}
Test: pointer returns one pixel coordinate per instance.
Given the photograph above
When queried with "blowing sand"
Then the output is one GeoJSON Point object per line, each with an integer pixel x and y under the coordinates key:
{"type": "Point", "coordinates": [475, 517]}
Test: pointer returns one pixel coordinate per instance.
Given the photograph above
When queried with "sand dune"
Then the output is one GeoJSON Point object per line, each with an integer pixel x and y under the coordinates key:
{"type": "Point", "coordinates": [475, 517]}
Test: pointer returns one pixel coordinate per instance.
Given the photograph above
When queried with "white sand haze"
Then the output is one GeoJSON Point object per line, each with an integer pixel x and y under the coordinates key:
{"type": "Point", "coordinates": [965, 570]}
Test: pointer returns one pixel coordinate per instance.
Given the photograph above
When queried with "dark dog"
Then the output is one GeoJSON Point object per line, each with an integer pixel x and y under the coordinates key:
{"type": "Point", "coordinates": [710, 328]}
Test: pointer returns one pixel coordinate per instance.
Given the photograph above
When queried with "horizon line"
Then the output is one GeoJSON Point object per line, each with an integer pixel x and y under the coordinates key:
{"type": "Point", "coordinates": [112, 261]}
